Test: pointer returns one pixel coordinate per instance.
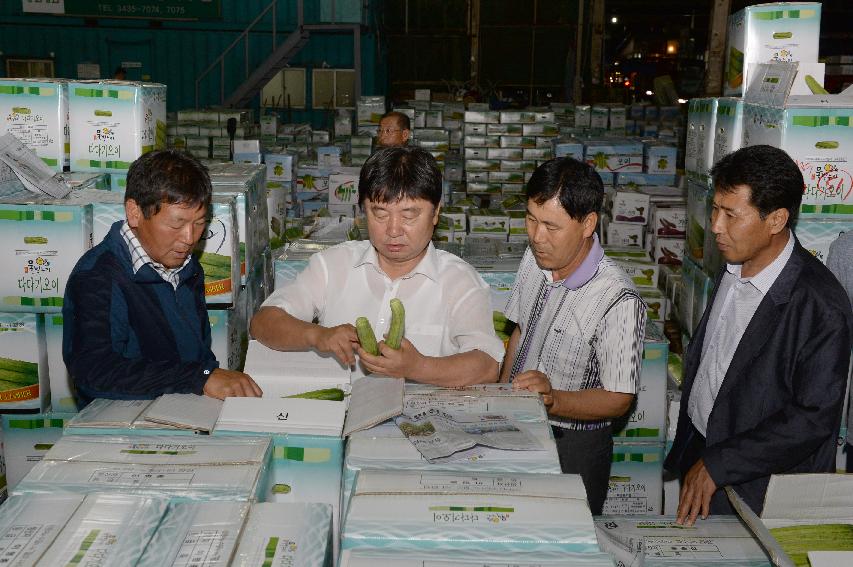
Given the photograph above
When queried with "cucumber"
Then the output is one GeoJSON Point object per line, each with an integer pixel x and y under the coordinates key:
{"type": "Point", "coordinates": [20, 379]}
{"type": "Point", "coordinates": [366, 336]}
{"type": "Point", "coordinates": [826, 145]}
{"type": "Point", "coordinates": [35, 240]}
{"type": "Point", "coordinates": [333, 394]}
{"type": "Point", "coordinates": [814, 86]}
{"type": "Point", "coordinates": [783, 35]}
{"type": "Point", "coordinates": [20, 366]}
{"type": "Point", "coordinates": [213, 259]}
{"type": "Point", "coordinates": [398, 323]}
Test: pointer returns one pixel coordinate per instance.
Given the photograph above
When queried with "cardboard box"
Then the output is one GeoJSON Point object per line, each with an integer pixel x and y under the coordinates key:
{"type": "Point", "coordinates": [229, 336]}
{"type": "Point", "coordinates": [61, 385]}
{"type": "Point", "coordinates": [24, 380]}
{"type": "Point", "coordinates": [623, 156]}
{"type": "Point", "coordinates": [280, 167]}
{"type": "Point", "coordinates": [625, 234]}
{"type": "Point", "coordinates": [699, 198]}
{"type": "Point", "coordinates": [701, 126]}
{"type": "Point", "coordinates": [636, 480]}
{"type": "Point", "coordinates": [114, 122]}
{"type": "Point", "coordinates": [796, 508]}
{"type": "Point", "coordinates": [670, 221]}
{"type": "Point", "coordinates": [782, 31]}
{"type": "Point", "coordinates": [728, 134]}
{"type": "Point", "coordinates": [642, 272]}
{"type": "Point", "coordinates": [35, 111]}
{"type": "Point", "coordinates": [26, 440]}
{"type": "Point", "coordinates": [218, 251]}
{"type": "Point", "coordinates": [486, 221]}
{"type": "Point", "coordinates": [640, 179]}
{"type": "Point", "coordinates": [568, 148]}
{"type": "Point", "coordinates": [647, 422]}
{"type": "Point", "coordinates": [659, 158]}
{"type": "Point", "coordinates": [631, 206]}
{"type": "Point", "coordinates": [816, 235]}
{"type": "Point", "coordinates": [599, 117]}
{"type": "Point", "coordinates": [668, 250]}
{"type": "Point", "coordinates": [286, 534]}
{"type": "Point", "coordinates": [343, 189]}
{"type": "Point", "coordinates": [43, 240]}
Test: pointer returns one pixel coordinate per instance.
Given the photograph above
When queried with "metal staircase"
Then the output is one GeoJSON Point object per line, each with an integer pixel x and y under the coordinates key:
{"type": "Point", "coordinates": [277, 60]}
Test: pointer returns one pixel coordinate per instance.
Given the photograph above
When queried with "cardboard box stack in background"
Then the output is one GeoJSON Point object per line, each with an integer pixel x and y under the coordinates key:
{"type": "Point", "coordinates": [36, 112]}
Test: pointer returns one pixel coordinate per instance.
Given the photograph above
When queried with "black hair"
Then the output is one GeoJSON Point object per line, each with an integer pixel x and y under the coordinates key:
{"type": "Point", "coordinates": [774, 179]}
{"type": "Point", "coordinates": [167, 176]}
{"type": "Point", "coordinates": [577, 185]}
{"type": "Point", "coordinates": [119, 70]}
{"type": "Point", "coordinates": [402, 119]}
{"type": "Point", "coordinates": [397, 173]}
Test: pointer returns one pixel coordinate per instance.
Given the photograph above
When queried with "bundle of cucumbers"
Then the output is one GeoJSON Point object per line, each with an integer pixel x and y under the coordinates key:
{"type": "Point", "coordinates": [216, 266]}
{"type": "Point", "coordinates": [395, 332]}
{"type": "Point", "coordinates": [16, 374]}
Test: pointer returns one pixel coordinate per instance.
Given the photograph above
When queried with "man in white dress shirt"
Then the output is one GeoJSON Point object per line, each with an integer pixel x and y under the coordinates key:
{"type": "Point", "coordinates": [449, 335]}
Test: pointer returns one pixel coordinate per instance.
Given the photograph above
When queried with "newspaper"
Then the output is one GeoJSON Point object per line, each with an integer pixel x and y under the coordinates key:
{"type": "Point", "coordinates": [438, 435]}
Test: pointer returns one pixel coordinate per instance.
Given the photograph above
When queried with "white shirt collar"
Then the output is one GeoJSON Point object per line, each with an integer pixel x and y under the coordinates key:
{"type": "Point", "coordinates": [428, 266]}
{"type": "Point", "coordinates": [765, 279]}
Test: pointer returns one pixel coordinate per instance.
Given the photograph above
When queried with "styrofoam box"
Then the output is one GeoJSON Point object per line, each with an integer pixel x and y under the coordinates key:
{"type": "Point", "coordinates": [114, 122]}
{"type": "Point", "coordinates": [43, 240]}
{"type": "Point", "coordinates": [781, 31]}
{"type": "Point", "coordinates": [35, 111]}
{"type": "Point", "coordinates": [492, 512]}
{"type": "Point", "coordinates": [815, 132]}
{"type": "Point", "coordinates": [26, 439]}
{"type": "Point", "coordinates": [636, 479]}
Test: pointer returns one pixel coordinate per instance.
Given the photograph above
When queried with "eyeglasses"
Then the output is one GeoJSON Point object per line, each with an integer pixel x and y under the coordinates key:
{"type": "Point", "coordinates": [389, 130]}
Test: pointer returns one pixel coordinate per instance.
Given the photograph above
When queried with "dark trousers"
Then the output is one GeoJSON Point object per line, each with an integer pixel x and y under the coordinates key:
{"type": "Point", "coordinates": [587, 453]}
{"type": "Point", "coordinates": [692, 453]}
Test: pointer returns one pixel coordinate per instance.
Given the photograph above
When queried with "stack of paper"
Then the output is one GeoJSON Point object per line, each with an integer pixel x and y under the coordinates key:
{"type": "Point", "coordinates": [282, 415]}
{"type": "Point", "coordinates": [109, 414]}
{"type": "Point", "coordinates": [193, 468]}
{"type": "Point", "coordinates": [474, 511]}
{"type": "Point", "coordinates": [285, 534]}
{"type": "Point", "coordinates": [184, 411]}
{"type": "Point", "coordinates": [196, 534]}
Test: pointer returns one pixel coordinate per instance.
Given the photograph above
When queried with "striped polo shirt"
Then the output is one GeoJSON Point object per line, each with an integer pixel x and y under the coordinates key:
{"type": "Point", "coordinates": [583, 332]}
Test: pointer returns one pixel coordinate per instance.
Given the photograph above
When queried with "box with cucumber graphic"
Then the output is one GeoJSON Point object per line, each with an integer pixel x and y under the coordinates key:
{"type": "Point", "coordinates": [781, 31]}
{"type": "Point", "coordinates": [114, 122]}
{"type": "Point", "coordinates": [43, 239]}
{"type": "Point", "coordinates": [35, 111]}
{"type": "Point", "coordinates": [23, 363]}
{"type": "Point", "coordinates": [218, 252]}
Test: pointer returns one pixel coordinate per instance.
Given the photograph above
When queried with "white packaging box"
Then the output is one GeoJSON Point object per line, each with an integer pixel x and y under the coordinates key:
{"type": "Point", "coordinates": [461, 558]}
{"type": "Point", "coordinates": [483, 116]}
{"type": "Point", "coordinates": [659, 158]}
{"type": "Point", "coordinates": [614, 155]}
{"type": "Point", "coordinates": [323, 418]}
{"type": "Point", "coordinates": [61, 387]}
{"type": "Point", "coordinates": [636, 480]}
{"type": "Point", "coordinates": [625, 234]}
{"type": "Point", "coordinates": [491, 512]}
{"type": "Point", "coordinates": [583, 115]}
{"type": "Point", "coordinates": [699, 149]}
{"type": "Point", "coordinates": [285, 534]}
{"type": "Point", "coordinates": [26, 439]}
{"type": "Point", "coordinates": [107, 529]}
{"type": "Point", "coordinates": [647, 422]}
{"type": "Point", "coordinates": [114, 122]}
{"type": "Point", "coordinates": [668, 250]}
{"type": "Point", "coordinates": [280, 200]}
{"type": "Point", "coordinates": [816, 235]}
{"type": "Point", "coordinates": [782, 31]}
{"type": "Point", "coordinates": [540, 129]}
{"type": "Point", "coordinates": [198, 533]}
{"type": "Point", "coordinates": [657, 306]}
{"type": "Point", "coordinates": [640, 179]}
{"type": "Point", "coordinates": [631, 206]}
{"type": "Point", "coordinates": [43, 240]}
{"type": "Point", "coordinates": [599, 117]}
{"type": "Point", "coordinates": [728, 134]}
{"type": "Point", "coordinates": [343, 189]}
{"type": "Point", "coordinates": [796, 504]}
{"type": "Point", "coordinates": [670, 221]}
{"type": "Point", "coordinates": [269, 125]}
{"type": "Point", "coordinates": [280, 167]}
{"type": "Point", "coordinates": [568, 148]}
{"type": "Point", "coordinates": [457, 216]}
{"type": "Point", "coordinates": [618, 116]}
{"type": "Point", "coordinates": [197, 468]}
{"type": "Point", "coordinates": [642, 273]}
{"type": "Point", "coordinates": [24, 380]}
{"type": "Point", "coordinates": [218, 251]}
{"type": "Point", "coordinates": [30, 523]}
{"type": "Point", "coordinates": [35, 111]}
{"type": "Point", "coordinates": [517, 222]}
{"type": "Point", "coordinates": [107, 210]}
{"type": "Point", "coordinates": [247, 147]}
{"type": "Point", "coordinates": [488, 221]}
{"type": "Point", "coordinates": [229, 336]}
{"type": "Point", "coordinates": [814, 131]}
{"type": "Point", "coordinates": [716, 541]}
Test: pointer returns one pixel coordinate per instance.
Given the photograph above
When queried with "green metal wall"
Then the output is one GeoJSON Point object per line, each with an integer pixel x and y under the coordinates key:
{"type": "Point", "coordinates": [175, 53]}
